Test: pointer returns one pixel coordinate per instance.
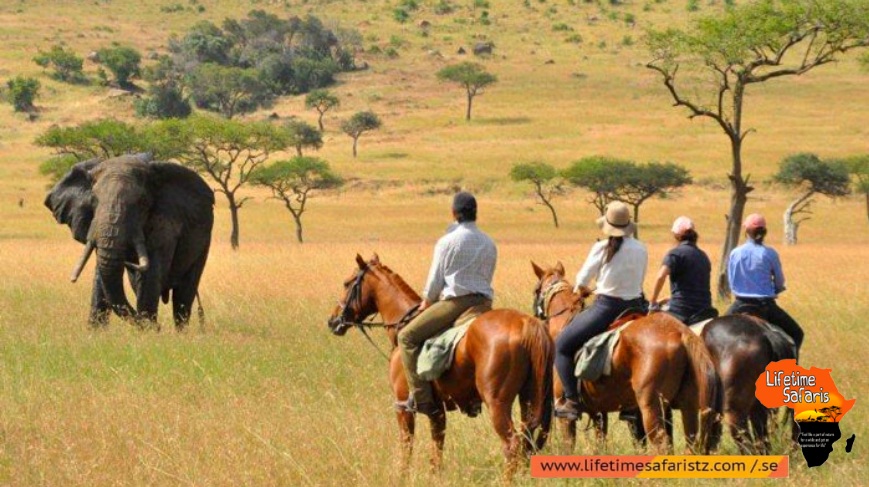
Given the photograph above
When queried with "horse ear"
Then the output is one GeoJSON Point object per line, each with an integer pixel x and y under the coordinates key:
{"type": "Point", "coordinates": [360, 262]}
{"type": "Point", "coordinates": [559, 268]}
{"type": "Point", "coordinates": [537, 270]}
{"type": "Point", "coordinates": [376, 259]}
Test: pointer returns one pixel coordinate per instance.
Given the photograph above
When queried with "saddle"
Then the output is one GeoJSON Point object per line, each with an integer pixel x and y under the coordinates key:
{"type": "Point", "coordinates": [439, 351]}
{"type": "Point", "coordinates": [595, 358]}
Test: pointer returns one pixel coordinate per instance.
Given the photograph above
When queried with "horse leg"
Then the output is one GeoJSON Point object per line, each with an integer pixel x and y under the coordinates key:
{"type": "Point", "coordinates": [601, 428]}
{"type": "Point", "coordinates": [759, 418]}
{"type": "Point", "coordinates": [691, 426]}
{"type": "Point", "coordinates": [406, 426]}
{"type": "Point", "coordinates": [503, 422]}
{"type": "Point", "coordinates": [438, 425]}
{"type": "Point", "coordinates": [737, 421]}
{"type": "Point", "coordinates": [569, 428]}
{"type": "Point", "coordinates": [653, 422]}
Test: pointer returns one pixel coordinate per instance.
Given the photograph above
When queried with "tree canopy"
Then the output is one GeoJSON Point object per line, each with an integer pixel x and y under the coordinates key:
{"type": "Point", "coordinates": [545, 179]}
{"type": "Point", "coordinates": [360, 123]}
{"type": "Point", "coordinates": [471, 76]}
{"type": "Point", "coordinates": [743, 45]}
{"type": "Point", "coordinates": [66, 65]}
{"type": "Point", "coordinates": [293, 181]}
{"type": "Point", "coordinates": [122, 61]}
{"type": "Point", "coordinates": [303, 135]}
{"type": "Point", "coordinates": [812, 176]}
{"type": "Point", "coordinates": [322, 101]}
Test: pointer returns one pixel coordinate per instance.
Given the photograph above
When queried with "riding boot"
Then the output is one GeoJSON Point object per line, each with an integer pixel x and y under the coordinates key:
{"type": "Point", "coordinates": [570, 409]}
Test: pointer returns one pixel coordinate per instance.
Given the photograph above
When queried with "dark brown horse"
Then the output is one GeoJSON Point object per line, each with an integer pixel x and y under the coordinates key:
{"type": "Point", "coordinates": [504, 354]}
{"type": "Point", "coordinates": [741, 348]}
{"type": "Point", "coordinates": [658, 363]}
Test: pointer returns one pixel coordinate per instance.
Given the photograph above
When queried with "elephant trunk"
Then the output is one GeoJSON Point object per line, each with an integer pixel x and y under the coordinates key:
{"type": "Point", "coordinates": [110, 266]}
{"type": "Point", "coordinates": [88, 250]}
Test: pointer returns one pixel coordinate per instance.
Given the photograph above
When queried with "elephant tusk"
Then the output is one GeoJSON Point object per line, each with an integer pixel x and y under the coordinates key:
{"type": "Point", "coordinates": [88, 250]}
{"type": "Point", "coordinates": [143, 264]}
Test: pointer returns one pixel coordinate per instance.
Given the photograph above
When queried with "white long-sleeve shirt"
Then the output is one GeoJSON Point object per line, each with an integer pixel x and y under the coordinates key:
{"type": "Point", "coordinates": [622, 277]}
{"type": "Point", "coordinates": [463, 263]}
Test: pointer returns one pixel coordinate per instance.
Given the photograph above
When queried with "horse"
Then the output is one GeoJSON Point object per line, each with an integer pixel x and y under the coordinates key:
{"type": "Point", "coordinates": [658, 363]}
{"type": "Point", "coordinates": [741, 350]}
{"type": "Point", "coordinates": [504, 354]}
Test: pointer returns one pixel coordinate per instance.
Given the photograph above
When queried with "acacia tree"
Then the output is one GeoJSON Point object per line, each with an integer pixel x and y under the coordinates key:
{"type": "Point", "coordinates": [749, 44]}
{"type": "Point", "coordinates": [360, 123]}
{"type": "Point", "coordinates": [858, 167]}
{"type": "Point", "coordinates": [228, 90]}
{"type": "Point", "coordinates": [601, 175]}
{"type": "Point", "coordinates": [322, 101]}
{"type": "Point", "coordinates": [644, 181]}
{"type": "Point", "coordinates": [303, 135]}
{"type": "Point", "coordinates": [227, 152]}
{"type": "Point", "coordinates": [546, 181]}
{"type": "Point", "coordinates": [293, 181]}
{"type": "Point", "coordinates": [472, 76]}
{"type": "Point", "coordinates": [812, 176]}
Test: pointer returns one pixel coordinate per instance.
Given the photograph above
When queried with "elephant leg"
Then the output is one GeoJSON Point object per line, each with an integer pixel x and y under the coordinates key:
{"type": "Point", "coordinates": [100, 307]}
{"type": "Point", "coordinates": [147, 289]}
{"type": "Point", "coordinates": [184, 293]}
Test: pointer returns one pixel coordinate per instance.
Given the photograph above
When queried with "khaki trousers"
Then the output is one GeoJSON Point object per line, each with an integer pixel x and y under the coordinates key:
{"type": "Point", "coordinates": [433, 320]}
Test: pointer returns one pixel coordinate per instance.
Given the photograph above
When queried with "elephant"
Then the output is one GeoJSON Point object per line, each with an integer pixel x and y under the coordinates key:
{"type": "Point", "coordinates": [152, 218]}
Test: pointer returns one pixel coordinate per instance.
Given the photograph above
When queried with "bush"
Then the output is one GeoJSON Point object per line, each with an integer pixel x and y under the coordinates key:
{"type": "Point", "coordinates": [122, 61]}
{"type": "Point", "coordinates": [165, 101]}
{"type": "Point", "coordinates": [400, 15]}
{"type": "Point", "coordinates": [574, 39]}
{"type": "Point", "coordinates": [561, 27]}
{"type": "Point", "coordinates": [443, 7]}
{"type": "Point", "coordinates": [21, 93]}
{"type": "Point", "coordinates": [693, 5]}
{"type": "Point", "coordinates": [67, 66]}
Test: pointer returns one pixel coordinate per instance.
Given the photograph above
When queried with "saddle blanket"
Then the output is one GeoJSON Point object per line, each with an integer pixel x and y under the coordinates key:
{"type": "Point", "coordinates": [595, 358]}
{"type": "Point", "coordinates": [438, 352]}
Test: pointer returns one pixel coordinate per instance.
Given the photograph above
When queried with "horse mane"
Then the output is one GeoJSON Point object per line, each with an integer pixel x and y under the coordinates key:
{"type": "Point", "coordinates": [398, 282]}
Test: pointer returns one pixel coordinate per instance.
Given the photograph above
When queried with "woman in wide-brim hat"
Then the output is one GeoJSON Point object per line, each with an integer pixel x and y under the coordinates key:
{"type": "Point", "coordinates": [618, 265]}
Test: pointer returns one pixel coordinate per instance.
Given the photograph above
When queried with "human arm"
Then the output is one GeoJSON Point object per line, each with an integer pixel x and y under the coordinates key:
{"type": "Point", "coordinates": [663, 273]}
{"type": "Point", "coordinates": [778, 276]}
{"type": "Point", "coordinates": [435, 282]}
{"type": "Point", "coordinates": [590, 268]}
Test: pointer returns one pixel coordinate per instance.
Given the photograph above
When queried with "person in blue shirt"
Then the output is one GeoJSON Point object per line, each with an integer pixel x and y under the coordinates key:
{"type": "Point", "coordinates": [756, 279]}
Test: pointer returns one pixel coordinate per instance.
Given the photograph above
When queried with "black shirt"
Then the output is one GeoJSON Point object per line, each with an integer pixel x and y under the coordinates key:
{"type": "Point", "coordinates": [690, 272]}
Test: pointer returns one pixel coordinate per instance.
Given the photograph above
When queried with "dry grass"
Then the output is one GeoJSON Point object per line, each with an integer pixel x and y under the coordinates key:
{"type": "Point", "coordinates": [264, 395]}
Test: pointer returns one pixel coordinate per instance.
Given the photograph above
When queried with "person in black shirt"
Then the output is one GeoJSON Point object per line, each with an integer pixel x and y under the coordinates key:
{"type": "Point", "coordinates": [689, 271]}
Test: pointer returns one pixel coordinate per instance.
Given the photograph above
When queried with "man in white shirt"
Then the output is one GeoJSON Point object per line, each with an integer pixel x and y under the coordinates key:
{"type": "Point", "coordinates": [460, 278]}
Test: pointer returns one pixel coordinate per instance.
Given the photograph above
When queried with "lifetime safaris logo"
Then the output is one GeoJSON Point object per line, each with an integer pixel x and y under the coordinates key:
{"type": "Point", "coordinates": [817, 403]}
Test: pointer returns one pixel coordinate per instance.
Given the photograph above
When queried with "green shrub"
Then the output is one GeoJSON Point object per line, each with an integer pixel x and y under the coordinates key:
{"type": "Point", "coordinates": [21, 92]}
{"type": "Point", "coordinates": [165, 101]}
{"type": "Point", "coordinates": [122, 61]}
{"type": "Point", "coordinates": [66, 65]}
{"type": "Point", "coordinates": [561, 27]}
{"type": "Point", "coordinates": [574, 39]}
{"type": "Point", "coordinates": [400, 15]}
{"type": "Point", "coordinates": [443, 7]}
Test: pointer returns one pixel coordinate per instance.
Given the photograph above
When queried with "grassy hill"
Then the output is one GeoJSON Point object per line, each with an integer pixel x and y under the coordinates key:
{"type": "Point", "coordinates": [263, 395]}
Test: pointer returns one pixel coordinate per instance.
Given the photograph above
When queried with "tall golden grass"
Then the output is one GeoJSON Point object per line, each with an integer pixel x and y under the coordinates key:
{"type": "Point", "coordinates": [263, 394]}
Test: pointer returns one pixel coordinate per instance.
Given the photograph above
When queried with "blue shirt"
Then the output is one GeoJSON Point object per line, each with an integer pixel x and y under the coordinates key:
{"type": "Point", "coordinates": [755, 271]}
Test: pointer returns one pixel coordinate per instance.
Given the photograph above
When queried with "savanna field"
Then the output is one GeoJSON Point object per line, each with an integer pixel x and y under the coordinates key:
{"type": "Point", "coordinates": [263, 394]}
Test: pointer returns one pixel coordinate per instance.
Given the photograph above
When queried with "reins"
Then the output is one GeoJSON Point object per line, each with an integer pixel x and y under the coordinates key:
{"type": "Point", "coordinates": [544, 299]}
{"type": "Point", "coordinates": [355, 296]}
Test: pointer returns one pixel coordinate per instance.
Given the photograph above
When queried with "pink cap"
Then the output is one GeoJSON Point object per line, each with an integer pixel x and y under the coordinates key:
{"type": "Point", "coordinates": [682, 225]}
{"type": "Point", "coordinates": [754, 221]}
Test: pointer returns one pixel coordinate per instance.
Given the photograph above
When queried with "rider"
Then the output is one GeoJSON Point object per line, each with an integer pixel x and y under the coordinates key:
{"type": "Point", "coordinates": [619, 265]}
{"type": "Point", "coordinates": [756, 279]}
{"type": "Point", "coordinates": [460, 278]}
{"type": "Point", "coordinates": [689, 271]}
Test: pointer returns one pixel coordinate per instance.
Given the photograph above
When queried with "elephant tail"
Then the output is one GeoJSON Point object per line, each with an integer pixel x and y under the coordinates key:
{"type": "Point", "coordinates": [199, 311]}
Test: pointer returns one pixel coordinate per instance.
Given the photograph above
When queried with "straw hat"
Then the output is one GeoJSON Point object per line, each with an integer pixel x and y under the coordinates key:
{"type": "Point", "coordinates": [617, 221]}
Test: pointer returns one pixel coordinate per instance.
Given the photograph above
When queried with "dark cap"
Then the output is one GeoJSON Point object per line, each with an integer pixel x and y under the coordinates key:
{"type": "Point", "coordinates": [465, 206]}
{"type": "Point", "coordinates": [464, 202]}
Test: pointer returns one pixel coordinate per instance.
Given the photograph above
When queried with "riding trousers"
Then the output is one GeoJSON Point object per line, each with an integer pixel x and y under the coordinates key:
{"type": "Point", "coordinates": [582, 327]}
{"type": "Point", "coordinates": [768, 310]}
{"type": "Point", "coordinates": [433, 320]}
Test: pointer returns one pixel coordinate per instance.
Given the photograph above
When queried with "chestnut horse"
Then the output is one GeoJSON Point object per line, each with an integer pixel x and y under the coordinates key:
{"type": "Point", "coordinates": [741, 351]}
{"type": "Point", "coordinates": [504, 354]}
{"type": "Point", "coordinates": [658, 363]}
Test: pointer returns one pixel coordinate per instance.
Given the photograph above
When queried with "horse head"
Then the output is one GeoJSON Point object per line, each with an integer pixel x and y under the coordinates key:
{"type": "Point", "coordinates": [357, 302]}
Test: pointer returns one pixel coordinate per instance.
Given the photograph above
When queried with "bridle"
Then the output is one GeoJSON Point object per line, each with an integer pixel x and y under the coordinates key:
{"type": "Point", "coordinates": [543, 298]}
{"type": "Point", "coordinates": [354, 299]}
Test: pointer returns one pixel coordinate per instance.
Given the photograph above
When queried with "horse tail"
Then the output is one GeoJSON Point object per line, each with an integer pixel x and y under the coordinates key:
{"type": "Point", "coordinates": [537, 390]}
{"type": "Point", "coordinates": [711, 392]}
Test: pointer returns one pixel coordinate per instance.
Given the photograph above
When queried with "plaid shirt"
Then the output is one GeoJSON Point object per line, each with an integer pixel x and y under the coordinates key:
{"type": "Point", "coordinates": [464, 263]}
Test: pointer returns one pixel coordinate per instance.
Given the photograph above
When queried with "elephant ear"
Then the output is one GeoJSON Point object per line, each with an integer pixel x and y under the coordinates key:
{"type": "Point", "coordinates": [71, 200]}
{"type": "Point", "coordinates": [181, 195]}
